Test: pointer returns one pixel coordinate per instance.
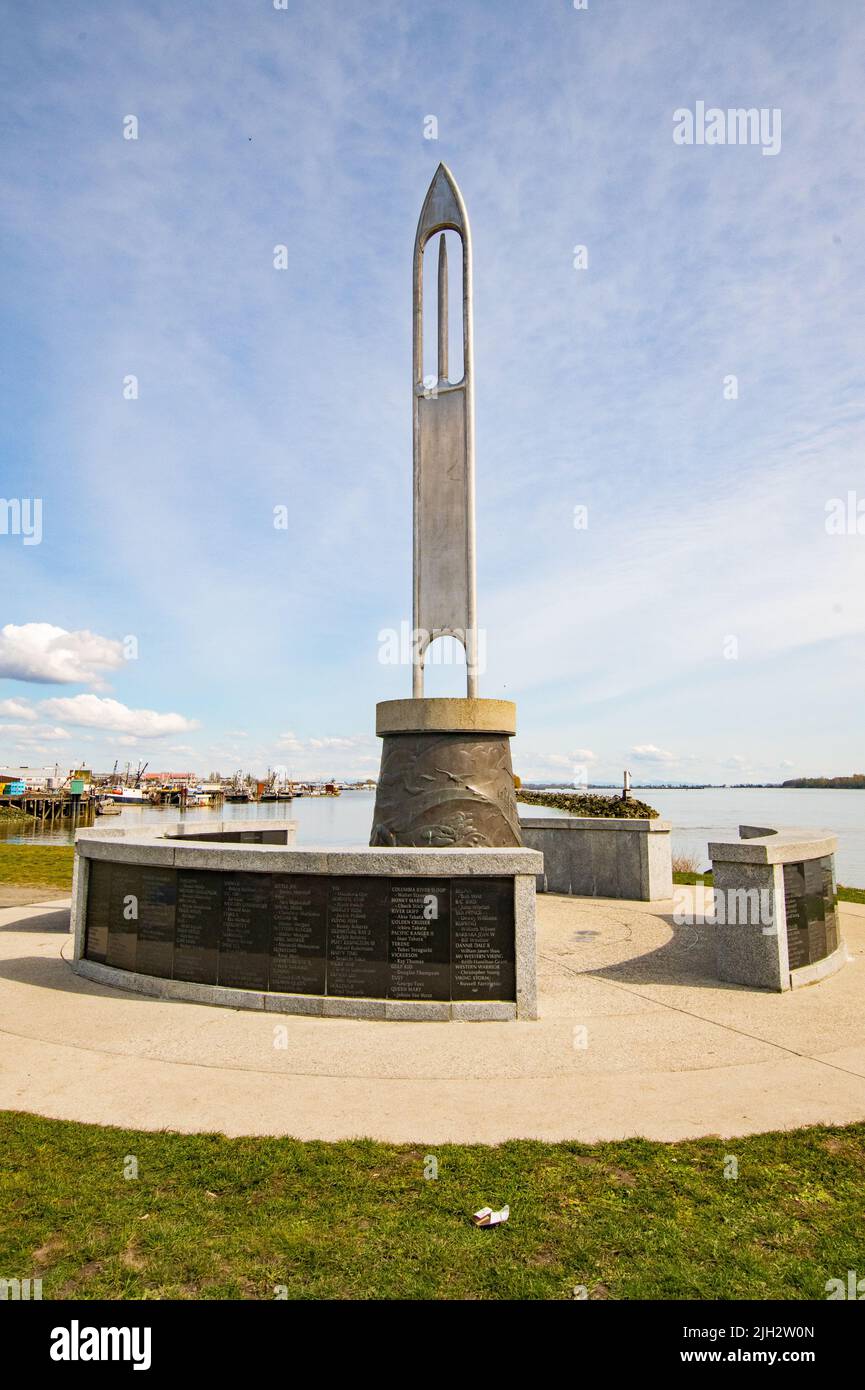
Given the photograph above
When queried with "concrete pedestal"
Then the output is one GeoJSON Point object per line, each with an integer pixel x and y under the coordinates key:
{"type": "Point", "coordinates": [446, 777]}
{"type": "Point", "coordinates": [775, 908]}
{"type": "Point", "coordinates": [602, 856]}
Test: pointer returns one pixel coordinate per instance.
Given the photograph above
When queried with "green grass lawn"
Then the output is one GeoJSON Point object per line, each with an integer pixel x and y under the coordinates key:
{"type": "Point", "coordinates": [38, 866]}
{"type": "Point", "coordinates": [209, 1217]}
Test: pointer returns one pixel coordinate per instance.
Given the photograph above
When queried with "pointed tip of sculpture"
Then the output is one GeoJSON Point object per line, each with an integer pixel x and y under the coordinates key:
{"type": "Point", "coordinates": [443, 172]}
{"type": "Point", "coordinates": [443, 205]}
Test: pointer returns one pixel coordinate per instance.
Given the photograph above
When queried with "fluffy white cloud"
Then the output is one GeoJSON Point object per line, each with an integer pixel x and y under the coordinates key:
{"type": "Point", "coordinates": [48, 654]}
{"type": "Point", "coordinates": [98, 712]}
{"type": "Point", "coordinates": [17, 709]}
{"type": "Point", "coordinates": [650, 753]}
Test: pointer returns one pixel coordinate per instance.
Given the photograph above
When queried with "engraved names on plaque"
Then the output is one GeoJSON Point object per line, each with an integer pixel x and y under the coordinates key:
{"type": "Point", "coordinates": [98, 897]}
{"type": "Point", "coordinates": [154, 953]}
{"type": "Point", "coordinates": [197, 927]}
{"type": "Point", "coordinates": [357, 948]}
{"type": "Point", "coordinates": [244, 942]}
{"type": "Point", "coordinates": [420, 948]}
{"type": "Point", "coordinates": [483, 963]}
{"type": "Point", "coordinates": [298, 951]}
{"type": "Point", "coordinates": [123, 899]}
{"type": "Point", "coordinates": [810, 898]}
{"type": "Point", "coordinates": [355, 937]}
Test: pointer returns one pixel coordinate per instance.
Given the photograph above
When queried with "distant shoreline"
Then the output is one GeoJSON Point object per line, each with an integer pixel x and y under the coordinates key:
{"type": "Point", "coordinates": [855, 783]}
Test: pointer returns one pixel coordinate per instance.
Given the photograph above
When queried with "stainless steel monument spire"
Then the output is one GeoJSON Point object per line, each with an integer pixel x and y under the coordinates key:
{"type": "Point", "coordinates": [446, 777]}
{"type": "Point", "coordinates": [445, 593]}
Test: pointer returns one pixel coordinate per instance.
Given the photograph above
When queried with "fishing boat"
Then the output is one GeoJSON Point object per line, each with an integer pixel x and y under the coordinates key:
{"type": "Point", "coordinates": [129, 796]}
{"type": "Point", "coordinates": [237, 791]}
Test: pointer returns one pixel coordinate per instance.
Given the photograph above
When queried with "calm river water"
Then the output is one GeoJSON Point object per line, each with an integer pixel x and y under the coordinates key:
{"type": "Point", "coordinates": [698, 816]}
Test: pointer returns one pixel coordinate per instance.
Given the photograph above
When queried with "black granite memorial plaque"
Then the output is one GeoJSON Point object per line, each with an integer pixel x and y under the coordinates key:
{"type": "Point", "coordinates": [830, 903]}
{"type": "Point", "coordinates": [198, 923]}
{"type": "Point", "coordinates": [298, 952]}
{"type": "Point", "coordinates": [810, 901]}
{"type": "Point", "coordinates": [244, 943]}
{"type": "Point", "coordinates": [236, 837]}
{"type": "Point", "coordinates": [357, 946]}
{"type": "Point", "coordinates": [364, 936]}
{"type": "Point", "coordinates": [420, 947]}
{"type": "Point", "coordinates": [155, 951]}
{"type": "Point", "coordinates": [123, 907]}
{"type": "Point", "coordinates": [483, 945]}
{"type": "Point", "coordinates": [98, 898]}
{"type": "Point", "coordinates": [798, 943]}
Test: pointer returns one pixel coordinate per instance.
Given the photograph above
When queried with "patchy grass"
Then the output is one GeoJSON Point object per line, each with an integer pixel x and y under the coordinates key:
{"type": "Point", "coordinates": [215, 1218]}
{"type": "Point", "coordinates": [36, 866]}
{"type": "Point", "coordinates": [845, 895]}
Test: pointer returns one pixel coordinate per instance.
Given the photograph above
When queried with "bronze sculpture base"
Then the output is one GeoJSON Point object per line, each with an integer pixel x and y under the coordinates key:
{"type": "Point", "coordinates": [446, 787]}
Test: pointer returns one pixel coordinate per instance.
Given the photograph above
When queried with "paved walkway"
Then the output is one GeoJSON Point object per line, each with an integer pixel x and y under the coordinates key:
{"type": "Point", "coordinates": [635, 1038]}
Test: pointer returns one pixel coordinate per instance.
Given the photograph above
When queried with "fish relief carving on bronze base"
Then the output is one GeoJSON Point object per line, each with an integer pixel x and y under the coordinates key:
{"type": "Point", "coordinates": [446, 791]}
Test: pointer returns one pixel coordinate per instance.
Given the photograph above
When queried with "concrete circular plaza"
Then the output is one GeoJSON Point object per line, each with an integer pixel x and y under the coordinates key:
{"type": "Point", "coordinates": [635, 1037]}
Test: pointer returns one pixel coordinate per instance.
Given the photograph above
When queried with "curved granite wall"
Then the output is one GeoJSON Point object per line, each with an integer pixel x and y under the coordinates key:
{"type": "Point", "coordinates": [221, 917]}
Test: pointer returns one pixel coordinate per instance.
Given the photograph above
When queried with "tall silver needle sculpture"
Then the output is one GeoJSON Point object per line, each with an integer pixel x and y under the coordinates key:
{"type": "Point", "coordinates": [446, 777]}
{"type": "Point", "coordinates": [445, 592]}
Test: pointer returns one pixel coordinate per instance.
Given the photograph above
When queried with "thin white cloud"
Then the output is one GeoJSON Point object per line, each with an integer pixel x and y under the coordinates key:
{"type": "Point", "coordinates": [289, 743]}
{"type": "Point", "coordinates": [577, 757]}
{"type": "Point", "coordinates": [28, 735]}
{"type": "Point", "coordinates": [336, 742]}
{"type": "Point", "coordinates": [17, 709]}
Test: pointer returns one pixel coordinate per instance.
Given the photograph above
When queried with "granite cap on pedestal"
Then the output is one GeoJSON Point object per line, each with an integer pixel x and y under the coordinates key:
{"type": "Point", "coordinates": [445, 716]}
{"type": "Point", "coordinates": [775, 847]}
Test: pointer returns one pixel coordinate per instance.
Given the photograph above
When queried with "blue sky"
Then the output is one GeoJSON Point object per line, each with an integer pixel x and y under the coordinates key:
{"type": "Point", "coordinates": [600, 387]}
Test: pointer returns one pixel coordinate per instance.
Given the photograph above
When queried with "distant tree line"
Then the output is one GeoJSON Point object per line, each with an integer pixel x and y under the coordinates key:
{"type": "Point", "coordinates": [857, 780]}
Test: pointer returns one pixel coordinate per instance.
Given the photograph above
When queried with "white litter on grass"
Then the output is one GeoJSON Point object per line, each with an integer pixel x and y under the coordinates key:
{"type": "Point", "coordinates": [487, 1217]}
